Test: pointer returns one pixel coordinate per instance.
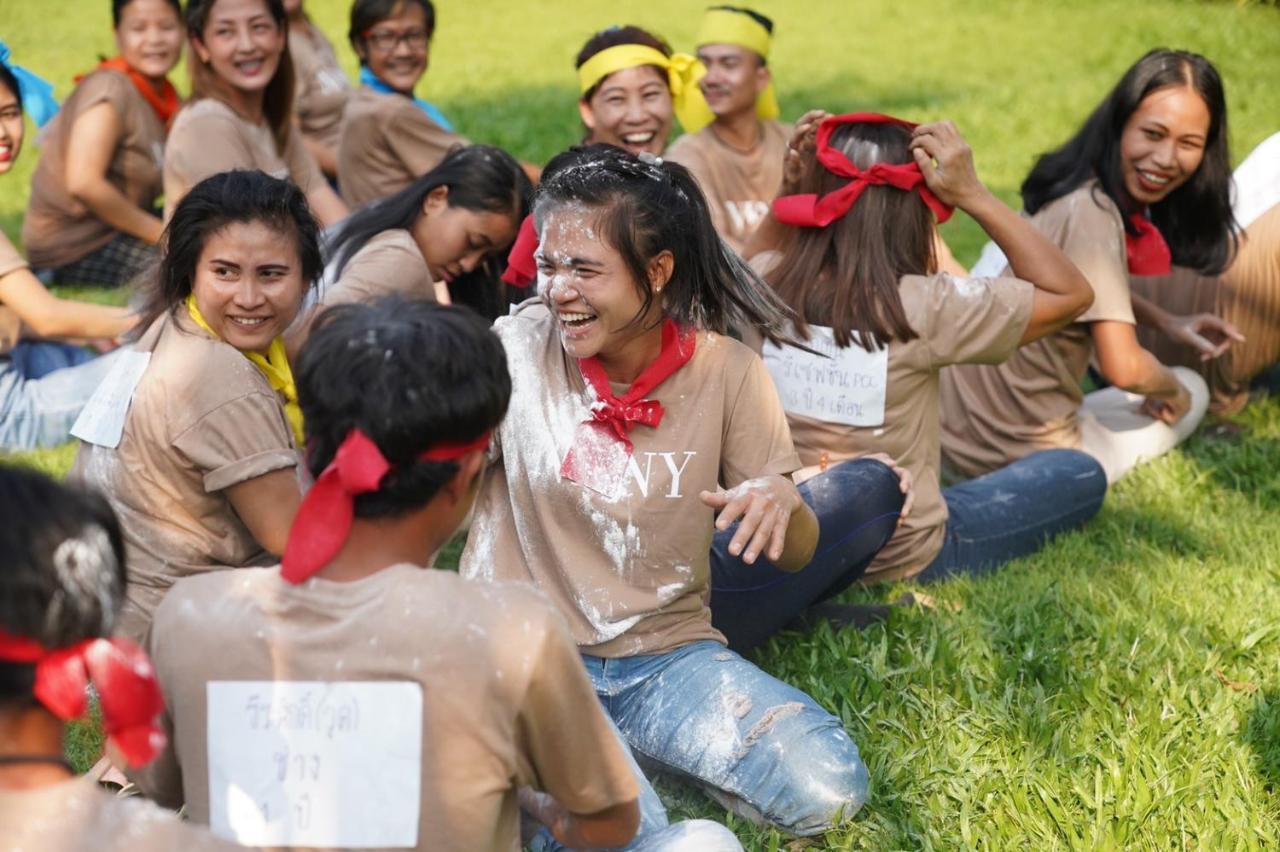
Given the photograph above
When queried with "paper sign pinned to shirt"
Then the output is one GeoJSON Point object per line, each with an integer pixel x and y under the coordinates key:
{"type": "Point", "coordinates": [312, 763]}
{"type": "Point", "coordinates": [101, 421]}
{"type": "Point", "coordinates": [845, 386]}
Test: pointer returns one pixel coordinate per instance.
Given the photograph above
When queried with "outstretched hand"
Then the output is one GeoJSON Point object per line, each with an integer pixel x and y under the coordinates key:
{"type": "Point", "coordinates": [1208, 334]}
{"type": "Point", "coordinates": [946, 162]}
{"type": "Point", "coordinates": [763, 508]}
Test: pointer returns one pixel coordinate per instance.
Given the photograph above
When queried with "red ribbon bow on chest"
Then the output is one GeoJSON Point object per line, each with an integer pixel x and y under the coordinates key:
{"type": "Point", "coordinates": [1147, 251]}
{"type": "Point", "coordinates": [620, 414]}
{"type": "Point", "coordinates": [324, 519]}
{"type": "Point", "coordinates": [120, 672]}
{"type": "Point", "coordinates": [813, 211]}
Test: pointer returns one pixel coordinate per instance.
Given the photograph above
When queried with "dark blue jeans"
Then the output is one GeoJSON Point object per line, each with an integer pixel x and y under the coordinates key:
{"type": "Point", "coordinates": [857, 504]}
{"type": "Point", "coordinates": [35, 359]}
{"type": "Point", "coordinates": [1013, 511]}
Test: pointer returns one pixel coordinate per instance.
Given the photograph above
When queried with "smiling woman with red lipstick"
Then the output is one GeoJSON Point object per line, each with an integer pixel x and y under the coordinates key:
{"type": "Point", "coordinates": [241, 111]}
{"type": "Point", "coordinates": [91, 218]}
{"type": "Point", "coordinates": [1145, 182]}
{"type": "Point", "coordinates": [197, 452]}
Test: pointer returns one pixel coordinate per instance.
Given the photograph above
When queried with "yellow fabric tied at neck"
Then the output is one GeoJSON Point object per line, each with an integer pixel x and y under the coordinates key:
{"type": "Point", "coordinates": [722, 26]}
{"type": "Point", "coordinates": [683, 73]}
{"type": "Point", "coordinates": [275, 367]}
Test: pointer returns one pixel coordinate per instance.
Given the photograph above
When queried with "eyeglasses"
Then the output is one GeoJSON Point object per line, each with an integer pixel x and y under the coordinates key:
{"type": "Point", "coordinates": [385, 41]}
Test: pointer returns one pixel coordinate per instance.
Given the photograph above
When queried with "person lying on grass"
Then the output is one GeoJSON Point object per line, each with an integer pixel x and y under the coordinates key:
{"type": "Point", "coordinates": [45, 379]}
{"type": "Point", "coordinates": [631, 408]}
{"type": "Point", "coordinates": [60, 593]}
{"type": "Point", "coordinates": [240, 115]}
{"type": "Point", "coordinates": [440, 230]}
{"type": "Point", "coordinates": [91, 218]}
{"type": "Point", "coordinates": [1143, 183]}
{"type": "Point", "coordinates": [197, 446]}
{"type": "Point", "coordinates": [418, 703]}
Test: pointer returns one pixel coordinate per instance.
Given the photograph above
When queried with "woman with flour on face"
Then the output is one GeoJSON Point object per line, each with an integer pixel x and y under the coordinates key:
{"type": "Point", "coordinates": [1144, 183]}
{"type": "Point", "coordinates": [634, 420]}
{"type": "Point", "coordinates": [197, 446]}
{"type": "Point", "coordinates": [240, 115]}
{"type": "Point", "coordinates": [855, 259]}
{"type": "Point", "coordinates": [91, 217]}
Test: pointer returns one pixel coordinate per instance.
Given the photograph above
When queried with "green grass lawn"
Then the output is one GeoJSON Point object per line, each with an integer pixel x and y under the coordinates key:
{"type": "Point", "coordinates": [1122, 688]}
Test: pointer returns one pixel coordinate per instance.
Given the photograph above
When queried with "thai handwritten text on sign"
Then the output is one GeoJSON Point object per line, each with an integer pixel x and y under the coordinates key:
{"type": "Point", "coordinates": [844, 386]}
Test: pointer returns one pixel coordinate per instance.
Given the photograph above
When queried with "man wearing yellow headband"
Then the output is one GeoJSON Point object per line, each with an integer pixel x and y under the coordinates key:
{"type": "Point", "coordinates": [738, 157]}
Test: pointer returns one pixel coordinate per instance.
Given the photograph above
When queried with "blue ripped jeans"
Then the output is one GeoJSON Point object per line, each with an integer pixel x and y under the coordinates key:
{"type": "Point", "coordinates": [1013, 511]}
{"type": "Point", "coordinates": [760, 747]}
{"type": "Point", "coordinates": [857, 504]}
{"type": "Point", "coordinates": [42, 392]}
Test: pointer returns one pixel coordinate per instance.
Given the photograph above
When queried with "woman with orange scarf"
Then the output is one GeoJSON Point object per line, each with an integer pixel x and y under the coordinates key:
{"type": "Point", "coordinates": [91, 218]}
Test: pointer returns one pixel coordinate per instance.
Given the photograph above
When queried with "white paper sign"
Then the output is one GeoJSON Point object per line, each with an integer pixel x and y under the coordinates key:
{"type": "Point", "coordinates": [312, 763]}
{"type": "Point", "coordinates": [101, 421]}
{"type": "Point", "coordinates": [847, 386]}
{"type": "Point", "coordinates": [991, 263]}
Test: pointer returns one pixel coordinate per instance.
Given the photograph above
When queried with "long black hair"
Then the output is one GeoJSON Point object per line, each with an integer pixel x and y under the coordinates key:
{"type": "Point", "coordinates": [647, 206]}
{"type": "Point", "coordinates": [409, 374]}
{"type": "Point", "coordinates": [481, 178]}
{"type": "Point", "coordinates": [64, 569]}
{"type": "Point", "coordinates": [239, 196]}
{"type": "Point", "coordinates": [1195, 219]}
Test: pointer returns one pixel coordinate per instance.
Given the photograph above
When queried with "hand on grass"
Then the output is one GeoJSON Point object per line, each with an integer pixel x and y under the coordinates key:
{"type": "Point", "coordinates": [1208, 334]}
{"type": "Point", "coordinates": [763, 508]}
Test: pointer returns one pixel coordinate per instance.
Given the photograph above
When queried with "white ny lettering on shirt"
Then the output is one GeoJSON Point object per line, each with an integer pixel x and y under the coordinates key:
{"type": "Point", "coordinates": [745, 215]}
{"type": "Point", "coordinates": [643, 478]}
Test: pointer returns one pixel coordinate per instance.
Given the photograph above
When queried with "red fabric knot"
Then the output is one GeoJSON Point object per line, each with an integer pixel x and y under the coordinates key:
{"type": "Point", "coordinates": [522, 269]}
{"type": "Point", "coordinates": [121, 673]}
{"type": "Point", "coordinates": [1147, 251]}
{"type": "Point", "coordinates": [812, 211]}
{"type": "Point", "coordinates": [324, 519]}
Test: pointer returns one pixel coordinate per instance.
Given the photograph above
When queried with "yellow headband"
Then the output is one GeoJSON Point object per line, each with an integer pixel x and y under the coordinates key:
{"type": "Point", "coordinates": [721, 26]}
{"type": "Point", "coordinates": [683, 74]}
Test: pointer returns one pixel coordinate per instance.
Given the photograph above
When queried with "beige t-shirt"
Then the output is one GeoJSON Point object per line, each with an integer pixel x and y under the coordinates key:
{"type": "Point", "coordinates": [958, 320]}
{"type": "Point", "coordinates": [322, 88]}
{"type": "Point", "coordinates": [77, 816]}
{"type": "Point", "coordinates": [739, 186]}
{"type": "Point", "coordinates": [58, 228]}
{"type": "Point", "coordinates": [993, 415]}
{"type": "Point", "coordinates": [10, 323]}
{"type": "Point", "coordinates": [629, 571]}
{"type": "Point", "coordinates": [505, 701]}
{"type": "Point", "coordinates": [208, 137]}
{"type": "Point", "coordinates": [387, 143]}
{"type": "Point", "coordinates": [389, 262]}
{"type": "Point", "coordinates": [203, 418]}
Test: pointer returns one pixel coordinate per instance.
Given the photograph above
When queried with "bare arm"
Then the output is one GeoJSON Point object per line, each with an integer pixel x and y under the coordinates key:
{"type": "Point", "coordinates": [606, 829]}
{"type": "Point", "coordinates": [1208, 334]}
{"type": "Point", "coordinates": [1125, 364]}
{"type": "Point", "coordinates": [773, 520]}
{"type": "Point", "coordinates": [266, 505]}
{"type": "Point", "coordinates": [48, 316]}
{"type": "Point", "coordinates": [1062, 292]}
{"type": "Point", "coordinates": [90, 146]}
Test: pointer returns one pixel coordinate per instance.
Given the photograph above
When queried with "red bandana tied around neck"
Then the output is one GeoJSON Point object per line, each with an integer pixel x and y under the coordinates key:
{"type": "Point", "coordinates": [1148, 252]}
{"type": "Point", "coordinates": [617, 415]}
{"type": "Point", "coordinates": [165, 102]}
{"type": "Point", "coordinates": [522, 269]}
{"type": "Point", "coordinates": [120, 672]}
{"type": "Point", "coordinates": [324, 518]}
{"type": "Point", "coordinates": [810, 211]}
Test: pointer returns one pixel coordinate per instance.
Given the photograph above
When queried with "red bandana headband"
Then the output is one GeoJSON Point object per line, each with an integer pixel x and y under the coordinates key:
{"type": "Point", "coordinates": [1147, 251]}
{"type": "Point", "coordinates": [120, 672]}
{"type": "Point", "coordinates": [522, 269]}
{"type": "Point", "coordinates": [324, 519]}
{"type": "Point", "coordinates": [811, 211]}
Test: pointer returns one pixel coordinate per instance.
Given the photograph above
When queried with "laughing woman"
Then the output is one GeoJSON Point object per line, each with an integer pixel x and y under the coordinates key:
{"type": "Point", "coordinates": [200, 462]}
{"type": "Point", "coordinates": [241, 110]}
{"type": "Point", "coordinates": [390, 137]}
{"type": "Point", "coordinates": [1144, 182]}
{"type": "Point", "coordinates": [91, 218]}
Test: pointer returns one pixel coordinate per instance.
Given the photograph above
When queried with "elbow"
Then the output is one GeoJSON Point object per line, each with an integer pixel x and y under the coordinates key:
{"type": "Point", "coordinates": [1083, 298]}
{"type": "Point", "coordinates": [1124, 373]}
{"type": "Point", "coordinates": [83, 188]}
{"type": "Point", "coordinates": [620, 830]}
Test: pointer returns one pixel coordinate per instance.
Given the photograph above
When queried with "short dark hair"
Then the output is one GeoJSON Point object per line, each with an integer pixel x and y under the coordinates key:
{"type": "Point", "coordinates": [760, 19]}
{"type": "Point", "coordinates": [238, 196]}
{"type": "Point", "coordinates": [366, 13]}
{"type": "Point", "coordinates": [410, 374]}
{"type": "Point", "coordinates": [64, 568]}
{"type": "Point", "coordinates": [10, 82]}
{"type": "Point", "coordinates": [1195, 219]}
{"type": "Point", "coordinates": [645, 207]}
{"type": "Point", "coordinates": [613, 37]}
{"type": "Point", "coordinates": [118, 6]}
